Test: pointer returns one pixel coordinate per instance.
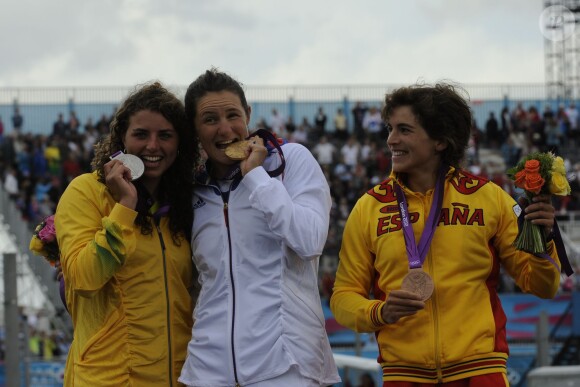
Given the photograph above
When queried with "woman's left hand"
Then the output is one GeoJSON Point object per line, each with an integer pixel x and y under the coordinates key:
{"type": "Point", "coordinates": [541, 212]}
{"type": "Point", "coordinates": [258, 153]}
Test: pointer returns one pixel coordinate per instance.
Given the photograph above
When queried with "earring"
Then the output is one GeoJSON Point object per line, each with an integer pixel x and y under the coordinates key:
{"type": "Point", "coordinates": [125, 150]}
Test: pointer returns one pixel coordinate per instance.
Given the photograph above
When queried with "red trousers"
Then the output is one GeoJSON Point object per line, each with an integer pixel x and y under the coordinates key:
{"type": "Point", "coordinates": [489, 380]}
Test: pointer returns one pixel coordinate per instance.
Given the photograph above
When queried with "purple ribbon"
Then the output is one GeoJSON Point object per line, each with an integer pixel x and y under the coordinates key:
{"type": "Point", "coordinates": [558, 242]}
{"type": "Point", "coordinates": [416, 254]}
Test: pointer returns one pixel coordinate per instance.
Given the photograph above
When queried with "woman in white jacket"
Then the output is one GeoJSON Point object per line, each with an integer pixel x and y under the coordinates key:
{"type": "Point", "coordinates": [260, 225]}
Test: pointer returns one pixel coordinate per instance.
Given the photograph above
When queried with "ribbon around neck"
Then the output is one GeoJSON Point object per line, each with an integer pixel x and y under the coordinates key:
{"type": "Point", "coordinates": [416, 254]}
{"type": "Point", "coordinates": [560, 248]}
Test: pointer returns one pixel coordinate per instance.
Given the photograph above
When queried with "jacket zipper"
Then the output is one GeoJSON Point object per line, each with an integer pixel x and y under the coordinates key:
{"type": "Point", "coordinates": [435, 315]}
{"type": "Point", "coordinates": [435, 333]}
{"type": "Point", "coordinates": [225, 198]}
{"type": "Point", "coordinates": [170, 351]}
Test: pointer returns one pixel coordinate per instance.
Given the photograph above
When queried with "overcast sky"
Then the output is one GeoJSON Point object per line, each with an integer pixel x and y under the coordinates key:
{"type": "Point", "coordinates": [269, 42]}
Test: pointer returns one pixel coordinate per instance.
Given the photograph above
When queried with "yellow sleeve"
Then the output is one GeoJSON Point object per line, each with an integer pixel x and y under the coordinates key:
{"type": "Point", "coordinates": [93, 243]}
{"type": "Point", "coordinates": [350, 302]}
{"type": "Point", "coordinates": [535, 275]}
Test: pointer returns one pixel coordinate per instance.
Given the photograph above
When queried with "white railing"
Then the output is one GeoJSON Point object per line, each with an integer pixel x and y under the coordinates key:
{"type": "Point", "coordinates": [353, 366]}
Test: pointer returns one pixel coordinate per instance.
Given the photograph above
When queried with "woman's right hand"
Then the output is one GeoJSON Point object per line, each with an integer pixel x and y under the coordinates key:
{"type": "Point", "coordinates": [118, 181]}
{"type": "Point", "coordinates": [399, 304]}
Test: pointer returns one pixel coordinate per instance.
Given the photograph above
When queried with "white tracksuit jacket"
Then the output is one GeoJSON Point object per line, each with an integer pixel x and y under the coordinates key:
{"type": "Point", "coordinates": [257, 252]}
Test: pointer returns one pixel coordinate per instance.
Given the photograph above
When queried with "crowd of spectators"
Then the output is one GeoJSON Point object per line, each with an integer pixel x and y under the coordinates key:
{"type": "Point", "coordinates": [35, 169]}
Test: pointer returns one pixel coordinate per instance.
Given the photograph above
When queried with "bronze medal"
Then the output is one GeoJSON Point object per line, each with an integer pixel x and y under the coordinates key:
{"type": "Point", "coordinates": [418, 282]}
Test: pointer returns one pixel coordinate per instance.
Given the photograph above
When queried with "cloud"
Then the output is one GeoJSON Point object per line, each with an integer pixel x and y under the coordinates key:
{"type": "Point", "coordinates": [264, 42]}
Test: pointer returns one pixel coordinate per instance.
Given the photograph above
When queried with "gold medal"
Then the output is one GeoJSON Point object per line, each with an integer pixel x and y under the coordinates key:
{"type": "Point", "coordinates": [418, 282]}
{"type": "Point", "coordinates": [237, 150]}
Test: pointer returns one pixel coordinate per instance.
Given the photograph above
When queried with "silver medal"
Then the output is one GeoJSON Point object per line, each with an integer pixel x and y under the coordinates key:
{"type": "Point", "coordinates": [132, 162]}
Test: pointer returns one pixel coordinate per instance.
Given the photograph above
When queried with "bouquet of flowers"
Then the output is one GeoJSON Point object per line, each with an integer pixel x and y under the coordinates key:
{"type": "Point", "coordinates": [43, 242]}
{"type": "Point", "coordinates": [538, 173]}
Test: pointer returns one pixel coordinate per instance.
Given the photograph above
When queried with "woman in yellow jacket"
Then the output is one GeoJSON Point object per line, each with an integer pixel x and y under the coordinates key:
{"type": "Point", "coordinates": [125, 252]}
{"type": "Point", "coordinates": [421, 252]}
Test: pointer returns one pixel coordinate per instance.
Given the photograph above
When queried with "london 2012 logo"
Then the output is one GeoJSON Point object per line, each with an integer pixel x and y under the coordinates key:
{"type": "Point", "coordinates": [557, 23]}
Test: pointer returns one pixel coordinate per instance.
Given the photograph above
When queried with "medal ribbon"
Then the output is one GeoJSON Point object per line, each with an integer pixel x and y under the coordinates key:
{"type": "Point", "coordinates": [566, 267]}
{"type": "Point", "coordinates": [416, 254]}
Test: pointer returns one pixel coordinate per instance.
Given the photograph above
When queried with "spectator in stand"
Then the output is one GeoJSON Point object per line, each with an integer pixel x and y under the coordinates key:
{"type": "Point", "coordinates": [551, 130]}
{"type": "Point", "coordinates": [262, 124]}
{"type": "Point", "coordinates": [510, 152]}
{"type": "Point", "coordinates": [563, 124]}
{"type": "Point", "coordinates": [39, 163]}
{"type": "Point", "coordinates": [366, 149]}
{"type": "Point", "coordinates": [320, 120]}
{"type": "Point", "coordinates": [340, 126]}
{"type": "Point", "coordinates": [60, 128]}
{"type": "Point", "coordinates": [71, 167]}
{"type": "Point", "coordinates": [506, 123]}
{"type": "Point", "coordinates": [73, 123]}
{"type": "Point", "coordinates": [103, 125]}
{"type": "Point", "coordinates": [290, 127]}
{"type": "Point", "coordinates": [300, 135]}
{"type": "Point", "coordinates": [24, 159]}
{"type": "Point", "coordinates": [492, 132]}
{"type": "Point", "coordinates": [42, 187]}
{"type": "Point", "coordinates": [310, 131]}
{"type": "Point", "coordinates": [52, 154]}
{"type": "Point", "coordinates": [277, 124]}
{"type": "Point", "coordinates": [574, 122]}
{"type": "Point", "coordinates": [535, 130]}
{"type": "Point", "coordinates": [519, 116]}
{"type": "Point", "coordinates": [350, 152]}
{"type": "Point", "coordinates": [372, 124]}
{"type": "Point", "coordinates": [358, 115]}
{"type": "Point", "coordinates": [17, 120]}
{"type": "Point", "coordinates": [519, 141]}
{"type": "Point", "coordinates": [11, 183]}
{"type": "Point", "coordinates": [325, 152]}
{"type": "Point", "coordinates": [89, 140]}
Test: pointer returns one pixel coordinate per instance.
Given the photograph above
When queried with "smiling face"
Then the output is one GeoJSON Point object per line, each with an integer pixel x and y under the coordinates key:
{"type": "Point", "coordinates": [220, 120]}
{"type": "Point", "coordinates": [414, 153]}
{"type": "Point", "coordinates": [154, 140]}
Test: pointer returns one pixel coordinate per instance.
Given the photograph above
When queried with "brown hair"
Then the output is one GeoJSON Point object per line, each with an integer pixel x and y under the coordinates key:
{"type": "Point", "coordinates": [176, 187]}
{"type": "Point", "coordinates": [442, 112]}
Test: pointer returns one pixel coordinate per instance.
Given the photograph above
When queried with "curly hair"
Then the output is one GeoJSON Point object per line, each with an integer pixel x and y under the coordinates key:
{"type": "Point", "coordinates": [442, 112]}
{"type": "Point", "coordinates": [176, 186]}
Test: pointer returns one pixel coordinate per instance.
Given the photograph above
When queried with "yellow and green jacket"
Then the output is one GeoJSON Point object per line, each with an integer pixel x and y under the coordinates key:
{"type": "Point", "coordinates": [462, 330]}
{"type": "Point", "coordinates": [128, 293]}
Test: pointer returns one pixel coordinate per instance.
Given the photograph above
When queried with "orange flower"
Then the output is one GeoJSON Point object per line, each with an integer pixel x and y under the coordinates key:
{"type": "Point", "coordinates": [529, 178]}
{"type": "Point", "coordinates": [534, 182]}
{"type": "Point", "coordinates": [520, 179]}
{"type": "Point", "coordinates": [532, 166]}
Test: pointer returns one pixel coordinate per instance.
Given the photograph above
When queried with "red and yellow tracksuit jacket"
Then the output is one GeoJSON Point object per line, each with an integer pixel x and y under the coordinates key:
{"type": "Point", "coordinates": [462, 330]}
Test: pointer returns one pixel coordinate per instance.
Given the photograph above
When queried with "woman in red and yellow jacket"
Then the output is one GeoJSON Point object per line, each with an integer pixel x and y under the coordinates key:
{"type": "Point", "coordinates": [427, 285]}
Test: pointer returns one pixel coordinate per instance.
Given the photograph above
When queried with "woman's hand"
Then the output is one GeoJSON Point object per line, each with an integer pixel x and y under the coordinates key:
{"type": "Point", "coordinates": [118, 181]}
{"type": "Point", "coordinates": [399, 304]}
{"type": "Point", "coordinates": [258, 153]}
{"type": "Point", "coordinates": [541, 212]}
